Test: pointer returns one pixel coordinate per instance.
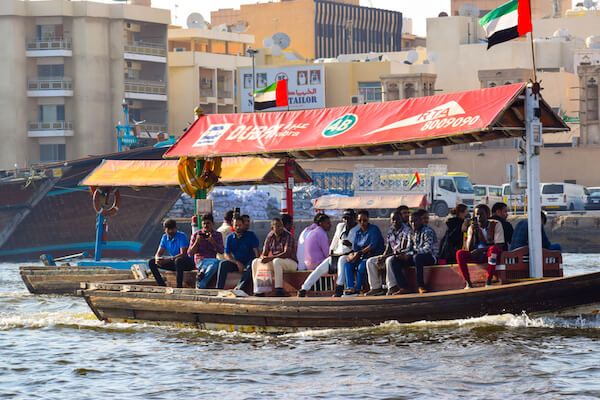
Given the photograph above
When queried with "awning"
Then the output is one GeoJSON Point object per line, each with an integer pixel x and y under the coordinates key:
{"type": "Point", "coordinates": [341, 202]}
{"type": "Point", "coordinates": [236, 171]}
{"type": "Point", "coordinates": [473, 116]}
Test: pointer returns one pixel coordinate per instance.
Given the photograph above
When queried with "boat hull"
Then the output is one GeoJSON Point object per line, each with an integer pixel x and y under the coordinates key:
{"type": "Point", "coordinates": [66, 280]}
{"type": "Point", "coordinates": [223, 309]}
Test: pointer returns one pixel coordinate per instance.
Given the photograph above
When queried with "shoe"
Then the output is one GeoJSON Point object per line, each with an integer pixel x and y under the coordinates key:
{"type": "Point", "coordinates": [350, 293]}
{"type": "Point", "coordinates": [422, 290]}
{"type": "Point", "coordinates": [339, 291]}
{"type": "Point", "coordinates": [401, 291]}
{"type": "Point", "coordinates": [259, 294]}
{"type": "Point", "coordinates": [280, 293]}
{"type": "Point", "coordinates": [468, 286]}
{"type": "Point", "coordinates": [375, 292]}
{"type": "Point", "coordinates": [488, 283]}
{"type": "Point", "coordinates": [392, 290]}
{"type": "Point", "coordinates": [301, 293]}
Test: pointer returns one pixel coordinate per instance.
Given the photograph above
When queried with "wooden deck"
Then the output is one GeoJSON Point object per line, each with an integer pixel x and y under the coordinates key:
{"type": "Point", "coordinates": [66, 280]}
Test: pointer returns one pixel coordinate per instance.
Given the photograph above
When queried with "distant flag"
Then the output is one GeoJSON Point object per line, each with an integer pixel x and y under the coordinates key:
{"type": "Point", "coordinates": [507, 22]}
{"type": "Point", "coordinates": [414, 181]}
{"type": "Point", "coordinates": [274, 95]}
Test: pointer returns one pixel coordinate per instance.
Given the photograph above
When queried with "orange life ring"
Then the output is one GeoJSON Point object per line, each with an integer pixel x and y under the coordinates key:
{"type": "Point", "coordinates": [101, 197]}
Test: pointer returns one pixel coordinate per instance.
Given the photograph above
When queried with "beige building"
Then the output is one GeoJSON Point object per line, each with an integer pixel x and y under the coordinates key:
{"type": "Point", "coordinates": [202, 72]}
{"type": "Point", "coordinates": [67, 68]}
{"type": "Point", "coordinates": [319, 28]}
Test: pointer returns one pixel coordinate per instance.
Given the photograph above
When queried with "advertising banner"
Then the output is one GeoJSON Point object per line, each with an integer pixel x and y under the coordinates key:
{"type": "Point", "coordinates": [306, 86]}
{"type": "Point", "coordinates": [368, 126]}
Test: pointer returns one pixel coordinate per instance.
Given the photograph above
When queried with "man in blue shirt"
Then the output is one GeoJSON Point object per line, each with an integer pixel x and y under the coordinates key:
{"type": "Point", "coordinates": [368, 243]}
{"type": "Point", "coordinates": [171, 254]}
{"type": "Point", "coordinates": [241, 247]}
{"type": "Point", "coordinates": [520, 236]}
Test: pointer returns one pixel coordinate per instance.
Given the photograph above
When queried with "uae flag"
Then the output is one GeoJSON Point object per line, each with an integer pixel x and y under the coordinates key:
{"type": "Point", "coordinates": [274, 95]}
{"type": "Point", "coordinates": [507, 22]}
{"type": "Point", "coordinates": [414, 181]}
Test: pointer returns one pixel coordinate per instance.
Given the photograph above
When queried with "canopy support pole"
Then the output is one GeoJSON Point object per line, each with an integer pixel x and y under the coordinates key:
{"type": "Point", "coordinates": [99, 232]}
{"type": "Point", "coordinates": [289, 189]}
{"type": "Point", "coordinates": [534, 143]}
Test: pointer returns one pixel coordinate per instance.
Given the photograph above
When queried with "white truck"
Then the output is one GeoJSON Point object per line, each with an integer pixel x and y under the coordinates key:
{"type": "Point", "coordinates": [442, 189]}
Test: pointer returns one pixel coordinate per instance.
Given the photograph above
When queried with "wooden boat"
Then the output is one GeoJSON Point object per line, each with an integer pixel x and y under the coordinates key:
{"type": "Point", "coordinates": [66, 279]}
{"type": "Point", "coordinates": [234, 310]}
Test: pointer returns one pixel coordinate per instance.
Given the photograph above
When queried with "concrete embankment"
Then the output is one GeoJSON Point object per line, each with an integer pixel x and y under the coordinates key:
{"type": "Point", "coordinates": [575, 233]}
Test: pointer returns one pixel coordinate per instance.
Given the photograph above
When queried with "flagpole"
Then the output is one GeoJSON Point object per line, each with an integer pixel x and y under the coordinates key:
{"type": "Point", "coordinates": [532, 49]}
{"type": "Point", "coordinates": [252, 52]}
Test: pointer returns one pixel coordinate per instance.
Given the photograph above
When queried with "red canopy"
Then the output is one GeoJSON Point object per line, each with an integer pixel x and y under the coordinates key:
{"type": "Point", "coordinates": [472, 116]}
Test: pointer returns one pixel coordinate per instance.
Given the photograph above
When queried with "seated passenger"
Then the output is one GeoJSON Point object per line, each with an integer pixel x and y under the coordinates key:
{"type": "Point", "coordinates": [453, 239]}
{"type": "Point", "coordinates": [396, 241]}
{"type": "Point", "coordinates": [278, 254]}
{"type": "Point", "coordinates": [226, 227]}
{"type": "Point", "coordinates": [485, 239]}
{"type": "Point", "coordinates": [316, 245]}
{"type": "Point", "coordinates": [368, 243]}
{"type": "Point", "coordinates": [301, 240]}
{"type": "Point", "coordinates": [206, 244]}
{"type": "Point", "coordinates": [175, 244]}
{"type": "Point", "coordinates": [241, 247]}
{"type": "Point", "coordinates": [420, 252]}
{"type": "Point", "coordinates": [500, 213]}
{"type": "Point", "coordinates": [520, 236]}
{"type": "Point", "coordinates": [288, 223]}
{"type": "Point", "coordinates": [340, 247]}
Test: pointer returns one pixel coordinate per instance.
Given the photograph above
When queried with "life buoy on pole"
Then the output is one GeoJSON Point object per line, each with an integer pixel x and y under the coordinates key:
{"type": "Point", "coordinates": [101, 199]}
{"type": "Point", "coordinates": [190, 183]}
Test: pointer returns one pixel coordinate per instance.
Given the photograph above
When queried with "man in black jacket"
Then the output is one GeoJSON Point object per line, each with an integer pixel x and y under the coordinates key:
{"type": "Point", "coordinates": [500, 214]}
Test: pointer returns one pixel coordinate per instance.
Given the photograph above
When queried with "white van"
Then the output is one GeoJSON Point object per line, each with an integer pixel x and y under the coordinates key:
{"type": "Point", "coordinates": [513, 201]}
{"type": "Point", "coordinates": [562, 196]}
{"type": "Point", "coordinates": [488, 195]}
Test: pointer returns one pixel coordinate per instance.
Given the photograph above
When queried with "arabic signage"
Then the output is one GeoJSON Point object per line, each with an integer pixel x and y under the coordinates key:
{"type": "Point", "coordinates": [371, 124]}
{"type": "Point", "coordinates": [306, 86]}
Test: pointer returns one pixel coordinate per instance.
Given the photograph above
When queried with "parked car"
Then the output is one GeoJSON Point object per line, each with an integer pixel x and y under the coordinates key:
{"type": "Point", "coordinates": [595, 189]}
{"type": "Point", "coordinates": [563, 196]}
{"type": "Point", "coordinates": [592, 201]}
{"type": "Point", "coordinates": [488, 195]}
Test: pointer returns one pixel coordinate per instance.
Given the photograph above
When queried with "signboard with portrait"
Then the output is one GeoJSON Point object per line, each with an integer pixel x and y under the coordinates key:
{"type": "Point", "coordinates": [306, 86]}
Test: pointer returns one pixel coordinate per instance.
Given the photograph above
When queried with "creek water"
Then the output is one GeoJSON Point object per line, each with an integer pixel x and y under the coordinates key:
{"type": "Point", "coordinates": [52, 347]}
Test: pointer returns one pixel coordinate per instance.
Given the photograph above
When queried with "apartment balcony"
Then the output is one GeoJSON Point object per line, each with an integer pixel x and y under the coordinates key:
{"type": "Point", "coordinates": [150, 129]}
{"type": "Point", "coordinates": [143, 51]}
{"type": "Point", "coordinates": [50, 87]}
{"type": "Point", "coordinates": [145, 90]}
{"type": "Point", "coordinates": [58, 47]}
{"type": "Point", "coordinates": [37, 129]}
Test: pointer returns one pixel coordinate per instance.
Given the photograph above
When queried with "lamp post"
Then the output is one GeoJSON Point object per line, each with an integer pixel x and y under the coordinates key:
{"type": "Point", "coordinates": [251, 52]}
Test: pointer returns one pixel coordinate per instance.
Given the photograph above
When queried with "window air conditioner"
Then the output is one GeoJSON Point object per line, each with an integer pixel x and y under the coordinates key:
{"type": "Point", "coordinates": [356, 100]}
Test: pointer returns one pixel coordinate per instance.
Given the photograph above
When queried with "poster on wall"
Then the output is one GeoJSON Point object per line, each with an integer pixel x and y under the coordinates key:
{"type": "Point", "coordinates": [306, 86]}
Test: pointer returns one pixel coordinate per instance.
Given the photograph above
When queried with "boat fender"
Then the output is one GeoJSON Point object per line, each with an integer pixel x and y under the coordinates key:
{"type": "Point", "coordinates": [101, 197]}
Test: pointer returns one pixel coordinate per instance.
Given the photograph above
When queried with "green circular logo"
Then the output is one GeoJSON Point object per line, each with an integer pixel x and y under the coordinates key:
{"type": "Point", "coordinates": [340, 125]}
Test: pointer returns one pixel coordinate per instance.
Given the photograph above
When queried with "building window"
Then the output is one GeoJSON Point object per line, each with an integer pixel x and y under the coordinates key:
{"type": "Point", "coordinates": [409, 91]}
{"type": "Point", "coordinates": [492, 84]}
{"type": "Point", "coordinates": [437, 150]}
{"type": "Point", "coordinates": [420, 151]}
{"type": "Point", "coordinates": [591, 98]}
{"type": "Point", "coordinates": [52, 112]}
{"type": "Point", "coordinates": [51, 71]}
{"type": "Point", "coordinates": [49, 32]}
{"type": "Point", "coordinates": [52, 152]}
{"type": "Point", "coordinates": [370, 91]}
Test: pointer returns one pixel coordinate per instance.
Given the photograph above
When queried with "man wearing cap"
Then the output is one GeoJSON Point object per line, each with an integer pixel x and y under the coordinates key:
{"type": "Point", "coordinates": [341, 246]}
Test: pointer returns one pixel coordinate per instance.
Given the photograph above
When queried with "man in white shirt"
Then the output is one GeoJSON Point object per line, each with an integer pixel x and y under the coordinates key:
{"type": "Point", "coordinates": [340, 247]}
